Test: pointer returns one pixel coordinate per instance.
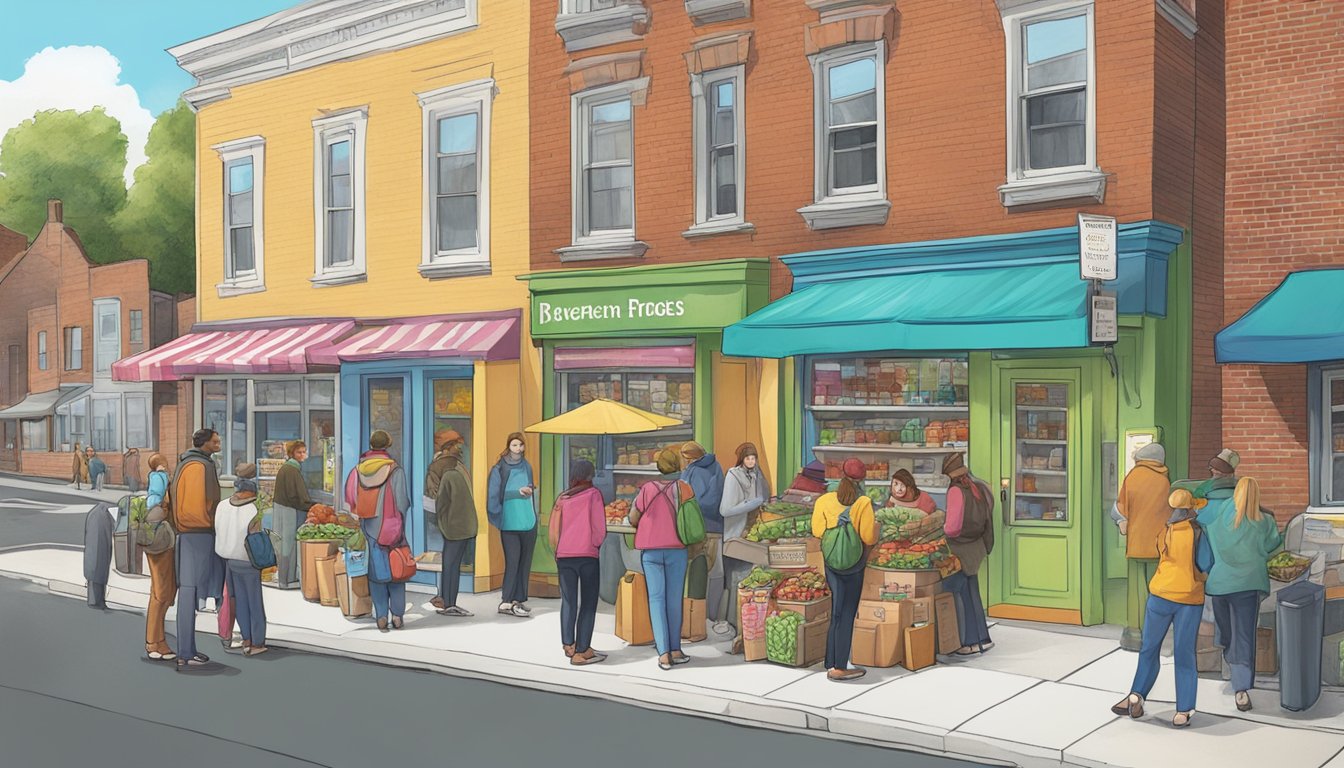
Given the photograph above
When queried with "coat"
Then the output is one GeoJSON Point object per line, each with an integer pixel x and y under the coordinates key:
{"type": "Point", "coordinates": [742, 495]}
{"type": "Point", "coordinates": [1143, 503]}
{"type": "Point", "coordinates": [371, 465]}
{"type": "Point", "coordinates": [80, 469]}
{"type": "Point", "coordinates": [454, 507]}
{"type": "Point", "coordinates": [290, 489]}
{"type": "Point", "coordinates": [98, 529]}
{"type": "Point", "coordinates": [1239, 554]}
{"type": "Point", "coordinates": [970, 553]}
{"type": "Point", "coordinates": [705, 477]}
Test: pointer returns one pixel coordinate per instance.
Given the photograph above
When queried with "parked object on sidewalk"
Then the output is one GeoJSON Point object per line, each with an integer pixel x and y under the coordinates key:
{"type": "Point", "coordinates": [99, 535]}
{"type": "Point", "coordinates": [326, 580]}
{"type": "Point", "coordinates": [632, 610]}
{"type": "Point", "coordinates": [127, 553]}
{"type": "Point", "coordinates": [309, 553]}
{"type": "Point", "coordinates": [1300, 615]}
{"type": "Point", "coordinates": [352, 592]}
{"type": "Point", "coordinates": [920, 647]}
{"type": "Point", "coordinates": [1266, 651]}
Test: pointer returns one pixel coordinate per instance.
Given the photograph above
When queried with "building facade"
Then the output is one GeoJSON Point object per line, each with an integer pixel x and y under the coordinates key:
{"type": "Point", "coordinates": [897, 205]}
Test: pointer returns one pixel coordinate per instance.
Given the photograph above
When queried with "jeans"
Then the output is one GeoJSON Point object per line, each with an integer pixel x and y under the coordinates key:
{"type": "Point", "coordinates": [846, 589]}
{"type": "Point", "coordinates": [286, 521]}
{"type": "Point", "coordinates": [1235, 617]}
{"type": "Point", "coordinates": [1140, 573]}
{"type": "Point", "coordinates": [388, 596]}
{"type": "Point", "coordinates": [578, 600]}
{"type": "Point", "coordinates": [734, 571]}
{"type": "Point", "coordinates": [97, 595]}
{"type": "Point", "coordinates": [665, 574]}
{"type": "Point", "coordinates": [454, 552]}
{"type": "Point", "coordinates": [518, 547]}
{"type": "Point", "coordinates": [970, 608]}
{"type": "Point", "coordinates": [1160, 616]}
{"type": "Point", "coordinates": [245, 589]}
{"type": "Point", "coordinates": [197, 566]}
{"type": "Point", "coordinates": [162, 590]}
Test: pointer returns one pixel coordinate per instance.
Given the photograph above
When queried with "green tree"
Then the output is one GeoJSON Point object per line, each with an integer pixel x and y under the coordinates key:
{"type": "Point", "coordinates": [159, 220]}
{"type": "Point", "coordinates": [79, 157]}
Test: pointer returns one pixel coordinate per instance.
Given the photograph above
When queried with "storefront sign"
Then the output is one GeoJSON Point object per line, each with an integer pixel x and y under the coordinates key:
{"type": "Point", "coordinates": [620, 310]}
{"type": "Point", "coordinates": [1105, 325]}
{"type": "Point", "coordinates": [1097, 253]}
{"type": "Point", "coordinates": [633, 309]}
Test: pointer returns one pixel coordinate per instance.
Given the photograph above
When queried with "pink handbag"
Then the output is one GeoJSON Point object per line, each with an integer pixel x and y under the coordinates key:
{"type": "Point", "coordinates": [226, 615]}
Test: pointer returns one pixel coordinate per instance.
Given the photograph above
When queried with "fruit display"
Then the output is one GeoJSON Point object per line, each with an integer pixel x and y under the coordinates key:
{"type": "Point", "coordinates": [1287, 566]}
{"type": "Point", "coordinates": [905, 555]}
{"type": "Point", "coordinates": [786, 509]}
{"type": "Point", "coordinates": [786, 528]}
{"type": "Point", "coordinates": [760, 577]}
{"type": "Point", "coordinates": [617, 511]}
{"type": "Point", "coordinates": [321, 514]}
{"type": "Point", "coordinates": [803, 587]}
{"type": "Point", "coordinates": [781, 636]}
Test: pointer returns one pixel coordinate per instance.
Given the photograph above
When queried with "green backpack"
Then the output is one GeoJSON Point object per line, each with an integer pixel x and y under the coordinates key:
{"type": "Point", "coordinates": [841, 546]}
{"type": "Point", "coordinates": [690, 519]}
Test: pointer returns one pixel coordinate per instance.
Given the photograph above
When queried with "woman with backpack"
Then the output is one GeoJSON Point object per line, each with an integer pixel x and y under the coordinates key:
{"type": "Point", "coordinates": [235, 518]}
{"type": "Point", "coordinates": [970, 536]}
{"type": "Point", "coordinates": [1242, 538]}
{"type": "Point", "coordinates": [162, 573]}
{"type": "Point", "coordinates": [662, 553]}
{"type": "Point", "coordinates": [1176, 596]}
{"type": "Point", "coordinates": [845, 508]}
{"type": "Point", "coordinates": [376, 474]}
{"type": "Point", "coordinates": [511, 506]}
{"type": "Point", "coordinates": [577, 527]}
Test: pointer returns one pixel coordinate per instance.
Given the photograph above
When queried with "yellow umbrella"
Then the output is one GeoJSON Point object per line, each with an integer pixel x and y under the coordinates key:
{"type": "Point", "coordinates": [603, 417]}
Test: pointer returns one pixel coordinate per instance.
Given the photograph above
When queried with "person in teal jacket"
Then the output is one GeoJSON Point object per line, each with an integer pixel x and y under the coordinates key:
{"type": "Point", "coordinates": [511, 507]}
{"type": "Point", "coordinates": [1242, 538]}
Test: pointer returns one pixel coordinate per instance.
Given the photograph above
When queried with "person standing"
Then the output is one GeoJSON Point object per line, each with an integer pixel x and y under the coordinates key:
{"type": "Point", "coordinates": [1242, 539]}
{"type": "Point", "coordinates": [845, 505]}
{"type": "Point", "coordinates": [1142, 511]}
{"type": "Point", "coordinates": [80, 467]}
{"type": "Point", "coordinates": [99, 525]}
{"type": "Point", "coordinates": [905, 493]}
{"type": "Point", "coordinates": [581, 526]}
{"type": "Point", "coordinates": [1222, 480]}
{"type": "Point", "coordinates": [705, 476]}
{"type": "Point", "coordinates": [378, 477]}
{"type": "Point", "coordinates": [291, 506]}
{"type": "Point", "coordinates": [1177, 598]}
{"type": "Point", "coordinates": [512, 509]}
{"type": "Point", "coordinates": [194, 496]}
{"type": "Point", "coordinates": [662, 554]}
{"type": "Point", "coordinates": [162, 573]}
{"type": "Point", "coordinates": [235, 518]}
{"type": "Point", "coordinates": [130, 469]}
{"type": "Point", "coordinates": [444, 439]}
{"type": "Point", "coordinates": [97, 469]}
{"type": "Point", "coordinates": [455, 517]}
{"type": "Point", "coordinates": [745, 490]}
{"type": "Point", "coordinates": [969, 525]}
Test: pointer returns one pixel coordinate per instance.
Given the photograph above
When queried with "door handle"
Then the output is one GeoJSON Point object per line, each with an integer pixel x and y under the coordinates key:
{"type": "Point", "coordinates": [1003, 500]}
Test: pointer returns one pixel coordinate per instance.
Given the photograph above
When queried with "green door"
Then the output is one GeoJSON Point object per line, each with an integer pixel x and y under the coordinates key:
{"type": "Point", "coordinates": [1042, 418]}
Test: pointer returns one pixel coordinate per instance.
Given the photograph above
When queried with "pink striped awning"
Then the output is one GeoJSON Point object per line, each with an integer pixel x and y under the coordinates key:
{"type": "Point", "coordinates": [486, 336]}
{"type": "Point", "coordinates": [571, 358]}
{"type": "Point", "coordinates": [256, 349]}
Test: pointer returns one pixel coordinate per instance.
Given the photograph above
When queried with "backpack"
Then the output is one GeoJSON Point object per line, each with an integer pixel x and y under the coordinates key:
{"type": "Point", "coordinates": [260, 550]}
{"type": "Point", "coordinates": [690, 519]}
{"type": "Point", "coordinates": [841, 546]}
{"type": "Point", "coordinates": [977, 515]}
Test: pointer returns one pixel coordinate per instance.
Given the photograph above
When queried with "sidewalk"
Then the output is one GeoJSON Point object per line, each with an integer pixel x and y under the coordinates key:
{"type": "Point", "coordinates": [1039, 698]}
{"type": "Point", "coordinates": [110, 494]}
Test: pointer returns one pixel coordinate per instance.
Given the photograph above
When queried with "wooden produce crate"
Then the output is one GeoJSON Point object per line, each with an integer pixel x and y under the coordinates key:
{"type": "Point", "coordinates": [811, 611]}
{"type": "Point", "coordinates": [809, 646]}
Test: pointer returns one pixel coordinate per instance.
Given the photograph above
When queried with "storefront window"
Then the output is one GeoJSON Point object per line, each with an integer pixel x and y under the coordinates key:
{"type": "Point", "coordinates": [35, 437]}
{"type": "Point", "coordinates": [319, 469]}
{"type": "Point", "coordinates": [892, 413]}
{"type": "Point", "coordinates": [215, 415]}
{"type": "Point", "coordinates": [256, 428]}
{"type": "Point", "coordinates": [1041, 476]}
{"type": "Point", "coordinates": [387, 411]}
{"type": "Point", "coordinates": [1332, 413]}
{"type": "Point", "coordinates": [105, 435]}
{"type": "Point", "coordinates": [236, 448]}
{"type": "Point", "coordinates": [137, 421]}
{"type": "Point", "coordinates": [79, 422]}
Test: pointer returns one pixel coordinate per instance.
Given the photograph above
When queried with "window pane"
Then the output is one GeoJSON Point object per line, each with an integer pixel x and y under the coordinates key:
{"type": "Point", "coordinates": [856, 168]}
{"type": "Point", "coordinates": [853, 78]}
{"type": "Point", "coordinates": [137, 422]}
{"type": "Point", "coordinates": [241, 249]}
{"type": "Point", "coordinates": [321, 393]}
{"type": "Point", "coordinates": [722, 125]}
{"type": "Point", "coordinates": [610, 143]}
{"type": "Point", "coordinates": [340, 237]}
{"type": "Point", "coordinates": [321, 445]}
{"type": "Point", "coordinates": [1337, 392]}
{"type": "Point", "coordinates": [338, 158]}
{"type": "Point", "coordinates": [272, 393]}
{"type": "Point", "coordinates": [854, 138]}
{"type": "Point", "coordinates": [856, 109]}
{"type": "Point", "coordinates": [457, 134]}
{"type": "Point", "coordinates": [1071, 68]}
{"type": "Point", "coordinates": [1057, 147]}
{"type": "Point", "coordinates": [237, 441]}
{"type": "Point", "coordinates": [240, 209]}
{"type": "Point", "coordinates": [457, 174]}
{"type": "Point", "coordinates": [610, 198]}
{"type": "Point", "coordinates": [274, 429]}
{"type": "Point", "coordinates": [105, 425]}
{"type": "Point", "coordinates": [1055, 108]}
{"type": "Point", "coordinates": [724, 182]}
{"type": "Point", "coordinates": [240, 177]}
{"type": "Point", "coordinates": [1335, 487]}
{"type": "Point", "coordinates": [457, 222]}
{"type": "Point", "coordinates": [614, 112]}
{"type": "Point", "coordinates": [1058, 37]}
{"type": "Point", "coordinates": [338, 192]}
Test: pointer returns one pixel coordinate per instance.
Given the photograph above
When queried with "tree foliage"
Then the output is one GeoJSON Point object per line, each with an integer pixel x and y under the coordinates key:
{"type": "Point", "coordinates": [159, 220]}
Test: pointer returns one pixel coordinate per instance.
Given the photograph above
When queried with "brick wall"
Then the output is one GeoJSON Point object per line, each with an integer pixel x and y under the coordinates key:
{"type": "Point", "coordinates": [1285, 181]}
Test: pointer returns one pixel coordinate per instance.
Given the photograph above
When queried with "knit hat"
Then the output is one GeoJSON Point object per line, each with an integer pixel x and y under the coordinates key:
{"type": "Point", "coordinates": [245, 470]}
{"type": "Point", "coordinates": [692, 450]}
{"type": "Point", "coordinates": [744, 450]}
{"type": "Point", "coordinates": [854, 469]}
{"type": "Point", "coordinates": [669, 461]}
{"type": "Point", "coordinates": [954, 466]}
{"type": "Point", "coordinates": [581, 471]}
{"type": "Point", "coordinates": [245, 485]}
{"type": "Point", "coordinates": [1151, 452]}
{"type": "Point", "coordinates": [1226, 461]}
{"type": "Point", "coordinates": [380, 440]}
{"type": "Point", "coordinates": [446, 436]}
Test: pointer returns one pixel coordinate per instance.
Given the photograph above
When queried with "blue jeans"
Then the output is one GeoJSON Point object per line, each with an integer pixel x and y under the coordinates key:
{"type": "Point", "coordinates": [245, 589]}
{"type": "Point", "coordinates": [665, 573]}
{"type": "Point", "coordinates": [846, 589]}
{"type": "Point", "coordinates": [1235, 617]}
{"type": "Point", "coordinates": [970, 608]}
{"type": "Point", "coordinates": [578, 600]}
{"type": "Point", "coordinates": [1160, 615]}
{"type": "Point", "coordinates": [388, 596]}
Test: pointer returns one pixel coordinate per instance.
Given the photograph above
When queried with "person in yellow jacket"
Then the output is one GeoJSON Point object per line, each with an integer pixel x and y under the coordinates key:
{"type": "Point", "coordinates": [847, 585]}
{"type": "Point", "coordinates": [1176, 596]}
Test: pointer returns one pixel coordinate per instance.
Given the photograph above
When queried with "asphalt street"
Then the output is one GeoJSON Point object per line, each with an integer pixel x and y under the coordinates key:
{"type": "Point", "coordinates": [76, 689]}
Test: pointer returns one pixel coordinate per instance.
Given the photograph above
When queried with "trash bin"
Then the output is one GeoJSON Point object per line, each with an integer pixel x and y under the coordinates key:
{"type": "Point", "coordinates": [1301, 617]}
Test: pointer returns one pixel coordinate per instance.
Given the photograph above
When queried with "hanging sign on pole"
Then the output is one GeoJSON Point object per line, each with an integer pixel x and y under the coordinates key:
{"type": "Point", "coordinates": [1097, 253]}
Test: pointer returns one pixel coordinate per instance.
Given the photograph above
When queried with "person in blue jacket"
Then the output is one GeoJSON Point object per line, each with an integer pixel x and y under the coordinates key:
{"type": "Point", "coordinates": [511, 507]}
{"type": "Point", "coordinates": [703, 473]}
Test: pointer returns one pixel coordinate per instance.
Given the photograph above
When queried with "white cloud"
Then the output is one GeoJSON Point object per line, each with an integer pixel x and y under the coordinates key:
{"type": "Point", "coordinates": [78, 77]}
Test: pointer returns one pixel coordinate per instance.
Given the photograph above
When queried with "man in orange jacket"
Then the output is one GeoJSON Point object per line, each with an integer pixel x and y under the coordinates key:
{"type": "Point", "coordinates": [193, 496]}
{"type": "Point", "coordinates": [1143, 513]}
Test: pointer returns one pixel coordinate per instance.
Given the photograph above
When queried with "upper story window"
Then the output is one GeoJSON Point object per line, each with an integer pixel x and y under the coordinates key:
{"type": "Point", "coordinates": [720, 163]}
{"type": "Point", "coordinates": [584, 24]}
{"type": "Point", "coordinates": [1052, 97]}
{"type": "Point", "coordinates": [457, 179]}
{"type": "Point", "coordinates": [74, 348]}
{"type": "Point", "coordinates": [137, 323]}
{"type": "Point", "coordinates": [605, 205]}
{"type": "Point", "coordinates": [42, 350]}
{"type": "Point", "coordinates": [338, 193]}
{"type": "Point", "coordinates": [242, 196]}
{"type": "Point", "coordinates": [107, 334]}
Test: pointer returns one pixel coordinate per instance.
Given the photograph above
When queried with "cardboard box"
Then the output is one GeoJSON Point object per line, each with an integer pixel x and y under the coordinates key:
{"type": "Point", "coordinates": [1266, 652]}
{"type": "Point", "coordinates": [753, 605]}
{"type": "Point", "coordinates": [921, 610]}
{"type": "Point", "coordinates": [920, 644]}
{"type": "Point", "coordinates": [753, 552]}
{"type": "Point", "coordinates": [326, 580]}
{"type": "Point", "coordinates": [883, 584]}
{"type": "Point", "coordinates": [811, 644]}
{"type": "Point", "coordinates": [945, 618]}
{"type": "Point", "coordinates": [793, 553]}
{"type": "Point", "coordinates": [886, 611]}
{"type": "Point", "coordinates": [693, 620]}
{"type": "Point", "coordinates": [632, 610]}
{"type": "Point", "coordinates": [1209, 660]}
{"type": "Point", "coordinates": [877, 644]}
{"type": "Point", "coordinates": [310, 552]}
{"type": "Point", "coordinates": [1204, 640]}
{"type": "Point", "coordinates": [811, 611]}
{"type": "Point", "coordinates": [352, 593]}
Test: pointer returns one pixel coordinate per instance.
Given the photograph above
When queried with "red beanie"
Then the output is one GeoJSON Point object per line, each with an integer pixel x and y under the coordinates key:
{"type": "Point", "coordinates": [855, 469]}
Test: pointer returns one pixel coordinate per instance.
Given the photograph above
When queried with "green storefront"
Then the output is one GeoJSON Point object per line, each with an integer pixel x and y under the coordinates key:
{"type": "Point", "coordinates": [905, 353]}
{"type": "Point", "coordinates": [649, 336]}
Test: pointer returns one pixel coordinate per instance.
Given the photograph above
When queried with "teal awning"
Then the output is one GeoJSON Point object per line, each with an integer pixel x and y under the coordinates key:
{"type": "Point", "coordinates": [1029, 306]}
{"type": "Point", "coordinates": [1301, 321]}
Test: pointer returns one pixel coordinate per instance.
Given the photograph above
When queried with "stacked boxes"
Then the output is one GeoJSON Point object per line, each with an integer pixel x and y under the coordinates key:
{"type": "Point", "coordinates": [889, 381]}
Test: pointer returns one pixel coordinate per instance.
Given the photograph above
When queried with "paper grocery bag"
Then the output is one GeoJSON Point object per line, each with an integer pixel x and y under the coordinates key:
{"type": "Point", "coordinates": [326, 581]}
{"type": "Point", "coordinates": [352, 592]}
{"type": "Point", "coordinates": [632, 610]}
{"type": "Point", "coordinates": [919, 647]}
{"type": "Point", "coordinates": [309, 553]}
{"type": "Point", "coordinates": [693, 620]}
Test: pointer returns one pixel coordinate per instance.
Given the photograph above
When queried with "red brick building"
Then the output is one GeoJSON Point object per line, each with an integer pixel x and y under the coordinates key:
{"type": "Point", "coordinates": [1284, 214]}
{"type": "Point", "coordinates": [65, 321]}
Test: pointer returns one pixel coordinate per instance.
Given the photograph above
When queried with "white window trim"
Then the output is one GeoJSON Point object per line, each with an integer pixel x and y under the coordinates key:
{"type": "Point", "coordinates": [476, 97]}
{"type": "Point", "coordinates": [253, 281]}
{"type": "Point", "coordinates": [97, 335]}
{"type": "Point", "coordinates": [1320, 414]}
{"type": "Point", "coordinates": [148, 400]}
{"type": "Point", "coordinates": [355, 123]}
{"type": "Point", "coordinates": [117, 413]}
{"type": "Point", "coordinates": [1027, 187]}
{"type": "Point", "coordinates": [42, 351]}
{"type": "Point", "coordinates": [700, 134]}
{"type": "Point", "coordinates": [861, 206]}
{"type": "Point", "coordinates": [611, 244]}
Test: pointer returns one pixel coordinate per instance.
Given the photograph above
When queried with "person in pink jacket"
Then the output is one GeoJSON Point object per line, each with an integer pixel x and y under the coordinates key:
{"type": "Point", "coordinates": [582, 527]}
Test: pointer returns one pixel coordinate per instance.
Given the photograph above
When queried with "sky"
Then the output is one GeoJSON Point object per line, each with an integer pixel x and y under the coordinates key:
{"type": "Point", "coordinates": [78, 54]}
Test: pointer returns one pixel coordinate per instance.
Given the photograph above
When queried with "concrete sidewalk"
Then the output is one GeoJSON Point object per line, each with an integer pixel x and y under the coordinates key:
{"type": "Point", "coordinates": [1039, 698]}
{"type": "Point", "coordinates": [110, 494]}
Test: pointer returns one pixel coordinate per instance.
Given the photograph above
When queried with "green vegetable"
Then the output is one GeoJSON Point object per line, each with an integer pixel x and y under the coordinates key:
{"type": "Point", "coordinates": [788, 528]}
{"type": "Point", "coordinates": [761, 577]}
{"type": "Point", "coordinates": [781, 636]}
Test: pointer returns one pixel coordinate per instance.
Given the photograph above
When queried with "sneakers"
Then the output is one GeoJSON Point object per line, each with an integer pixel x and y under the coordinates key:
{"type": "Point", "coordinates": [454, 610]}
{"type": "Point", "coordinates": [506, 609]}
{"type": "Point", "coordinates": [525, 611]}
{"type": "Point", "coordinates": [515, 609]}
{"type": "Point", "coordinates": [198, 660]}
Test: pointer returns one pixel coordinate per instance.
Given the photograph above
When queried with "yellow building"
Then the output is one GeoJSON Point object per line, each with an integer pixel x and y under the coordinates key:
{"type": "Point", "coordinates": [362, 217]}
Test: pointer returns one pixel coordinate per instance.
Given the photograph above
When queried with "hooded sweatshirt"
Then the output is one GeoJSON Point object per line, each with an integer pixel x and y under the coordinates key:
{"type": "Point", "coordinates": [377, 468]}
{"type": "Point", "coordinates": [744, 490]}
{"type": "Point", "coordinates": [705, 477]}
{"type": "Point", "coordinates": [1143, 502]}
